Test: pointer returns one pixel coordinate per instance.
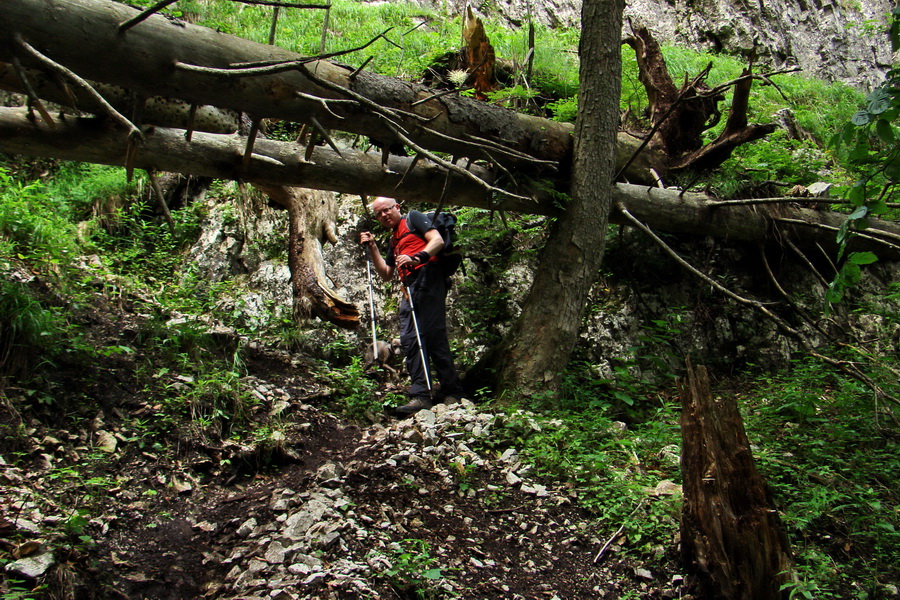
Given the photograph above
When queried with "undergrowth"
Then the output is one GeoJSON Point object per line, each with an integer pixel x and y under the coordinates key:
{"type": "Point", "coordinates": [832, 461]}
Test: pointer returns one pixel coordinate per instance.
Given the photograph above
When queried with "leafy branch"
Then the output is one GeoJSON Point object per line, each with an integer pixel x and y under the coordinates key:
{"type": "Point", "coordinates": [873, 144]}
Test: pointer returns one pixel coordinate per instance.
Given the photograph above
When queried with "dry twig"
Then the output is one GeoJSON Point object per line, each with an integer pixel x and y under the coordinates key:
{"type": "Point", "coordinates": [133, 131]}
{"type": "Point", "coordinates": [143, 16]}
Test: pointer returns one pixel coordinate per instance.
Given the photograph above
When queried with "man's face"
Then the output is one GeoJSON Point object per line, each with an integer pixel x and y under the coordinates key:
{"type": "Point", "coordinates": [387, 212]}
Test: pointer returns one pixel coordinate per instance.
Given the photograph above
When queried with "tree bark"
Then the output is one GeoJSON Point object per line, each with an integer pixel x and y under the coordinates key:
{"type": "Point", "coordinates": [156, 110]}
{"type": "Point", "coordinates": [311, 216]}
{"type": "Point", "coordinates": [539, 346]}
{"type": "Point", "coordinates": [733, 544]}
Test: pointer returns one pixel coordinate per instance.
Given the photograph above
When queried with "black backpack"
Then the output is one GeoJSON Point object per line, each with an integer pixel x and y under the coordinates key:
{"type": "Point", "coordinates": [449, 257]}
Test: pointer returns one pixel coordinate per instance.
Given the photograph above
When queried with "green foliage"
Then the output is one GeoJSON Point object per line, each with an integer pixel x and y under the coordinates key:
{"type": "Point", "coordinates": [142, 248]}
{"type": "Point", "coordinates": [873, 148]}
{"type": "Point", "coordinates": [357, 393]}
{"type": "Point", "coordinates": [819, 443]}
{"type": "Point", "coordinates": [29, 332]}
{"type": "Point", "coordinates": [17, 589]}
{"type": "Point", "coordinates": [34, 224]}
{"type": "Point", "coordinates": [214, 397]}
{"type": "Point", "coordinates": [413, 570]}
{"type": "Point", "coordinates": [85, 189]}
{"type": "Point", "coordinates": [512, 96]}
{"type": "Point", "coordinates": [609, 468]}
{"type": "Point", "coordinates": [564, 110]}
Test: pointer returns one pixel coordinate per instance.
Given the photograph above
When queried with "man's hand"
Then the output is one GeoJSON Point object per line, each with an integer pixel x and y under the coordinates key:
{"type": "Point", "coordinates": [366, 238]}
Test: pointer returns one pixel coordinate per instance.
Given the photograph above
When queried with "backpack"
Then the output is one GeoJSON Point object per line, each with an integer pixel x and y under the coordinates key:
{"type": "Point", "coordinates": [449, 258]}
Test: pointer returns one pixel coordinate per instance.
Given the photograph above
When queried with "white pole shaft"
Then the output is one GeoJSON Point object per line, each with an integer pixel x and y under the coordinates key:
{"type": "Point", "coordinates": [412, 309]}
{"type": "Point", "coordinates": [372, 309]}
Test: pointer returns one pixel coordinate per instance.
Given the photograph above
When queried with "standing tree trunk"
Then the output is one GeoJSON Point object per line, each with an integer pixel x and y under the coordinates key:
{"type": "Point", "coordinates": [542, 341]}
{"type": "Point", "coordinates": [732, 541]}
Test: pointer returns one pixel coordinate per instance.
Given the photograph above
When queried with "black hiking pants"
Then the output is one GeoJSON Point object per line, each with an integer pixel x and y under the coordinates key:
{"type": "Point", "coordinates": [429, 297]}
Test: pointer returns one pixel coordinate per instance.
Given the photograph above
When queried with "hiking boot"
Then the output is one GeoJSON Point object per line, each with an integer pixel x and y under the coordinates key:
{"type": "Point", "coordinates": [415, 405]}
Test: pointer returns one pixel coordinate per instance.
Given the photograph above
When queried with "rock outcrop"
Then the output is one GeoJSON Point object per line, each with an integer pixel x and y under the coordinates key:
{"type": "Point", "coordinates": [835, 41]}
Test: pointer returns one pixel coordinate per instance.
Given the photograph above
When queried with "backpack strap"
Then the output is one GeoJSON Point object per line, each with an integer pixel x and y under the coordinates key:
{"type": "Point", "coordinates": [418, 223]}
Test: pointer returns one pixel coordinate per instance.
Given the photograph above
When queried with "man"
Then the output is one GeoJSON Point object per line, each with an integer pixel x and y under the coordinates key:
{"type": "Point", "coordinates": [412, 255]}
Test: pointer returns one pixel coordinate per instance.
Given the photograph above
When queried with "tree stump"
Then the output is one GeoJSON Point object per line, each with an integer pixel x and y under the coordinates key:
{"type": "Point", "coordinates": [733, 544]}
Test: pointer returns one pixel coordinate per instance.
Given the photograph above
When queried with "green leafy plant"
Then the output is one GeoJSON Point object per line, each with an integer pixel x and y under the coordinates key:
{"type": "Point", "coordinates": [17, 589]}
{"type": "Point", "coordinates": [34, 224]}
{"type": "Point", "coordinates": [873, 147]}
{"type": "Point", "coordinates": [413, 569]}
{"type": "Point", "coordinates": [30, 334]}
{"type": "Point", "coordinates": [357, 393]}
{"type": "Point", "coordinates": [819, 445]}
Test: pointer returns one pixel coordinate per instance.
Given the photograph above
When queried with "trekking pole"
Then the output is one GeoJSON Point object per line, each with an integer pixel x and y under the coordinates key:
{"type": "Point", "coordinates": [372, 305]}
{"type": "Point", "coordinates": [412, 309]}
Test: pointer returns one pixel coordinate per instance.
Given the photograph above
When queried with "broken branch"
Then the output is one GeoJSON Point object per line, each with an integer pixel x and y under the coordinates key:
{"type": "Point", "coordinates": [144, 15]}
{"type": "Point", "coordinates": [133, 131]}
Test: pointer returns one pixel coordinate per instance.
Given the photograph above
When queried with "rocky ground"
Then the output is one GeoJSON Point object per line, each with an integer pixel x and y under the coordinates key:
{"type": "Point", "coordinates": [424, 507]}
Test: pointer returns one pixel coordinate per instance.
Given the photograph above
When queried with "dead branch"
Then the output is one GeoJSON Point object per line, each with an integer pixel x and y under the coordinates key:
{"type": "Point", "coordinates": [787, 297]}
{"type": "Point", "coordinates": [873, 238]}
{"type": "Point", "coordinates": [256, 69]}
{"type": "Point", "coordinates": [715, 284]}
{"type": "Point", "coordinates": [133, 131]}
{"type": "Point", "coordinates": [394, 126]}
{"type": "Point", "coordinates": [619, 530]}
{"type": "Point", "coordinates": [29, 90]}
{"type": "Point", "coordinates": [144, 15]}
{"type": "Point", "coordinates": [392, 117]}
{"type": "Point", "coordinates": [251, 141]}
{"type": "Point", "coordinates": [274, 25]}
{"type": "Point", "coordinates": [781, 200]}
{"type": "Point", "coordinates": [323, 133]}
{"type": "Point", "coordinates": [161, 198]}
{"type": "Point", "coordinates": [450, 166]}
{"type": "Point", "coordinates": [359, 69]}
{"type": "Point", "coordinates": [759, 76]}
{"type": "Point", "coordinates": [325, 102]}
{"type": "Point", "coordinates": [808, 262]}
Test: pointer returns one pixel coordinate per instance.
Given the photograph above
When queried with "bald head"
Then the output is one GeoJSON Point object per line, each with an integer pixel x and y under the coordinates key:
{"type": "Point", "coordinates": [386, 210]}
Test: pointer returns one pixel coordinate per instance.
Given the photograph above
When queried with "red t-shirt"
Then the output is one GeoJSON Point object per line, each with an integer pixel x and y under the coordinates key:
{"type": "Point", "coordinates": [403, 241]}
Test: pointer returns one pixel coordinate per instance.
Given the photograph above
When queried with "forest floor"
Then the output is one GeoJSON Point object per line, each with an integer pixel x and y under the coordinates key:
{"type": "Point", "coordinates": [109, 492]}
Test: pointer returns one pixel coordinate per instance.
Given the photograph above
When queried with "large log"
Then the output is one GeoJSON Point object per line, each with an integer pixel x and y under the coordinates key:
{"type": "Point", "coordinates": [356, 172]}
{"type": "Point", "coordinates": [733, 544]}
{"type": "Point", "coordinates": [150, 59]}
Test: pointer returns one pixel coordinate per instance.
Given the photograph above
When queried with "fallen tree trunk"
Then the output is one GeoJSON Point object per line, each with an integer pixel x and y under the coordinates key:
{"type": "Point", "coordinates": [170, 58]}
{"type": "Point", "coordinates": [281, 163]}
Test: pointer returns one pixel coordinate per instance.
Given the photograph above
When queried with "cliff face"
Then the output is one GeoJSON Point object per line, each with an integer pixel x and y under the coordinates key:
{"type": "Point", "coordinates": [835, 40]}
